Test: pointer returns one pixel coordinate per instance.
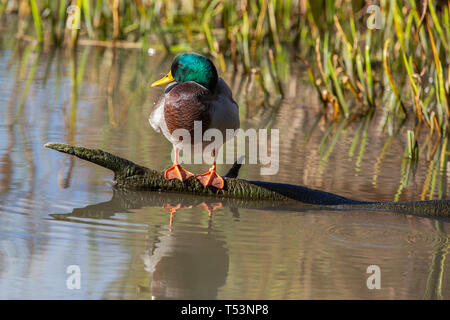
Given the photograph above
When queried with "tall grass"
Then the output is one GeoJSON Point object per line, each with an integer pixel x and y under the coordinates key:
{"type": "Point", "coordinates": [401, 69]}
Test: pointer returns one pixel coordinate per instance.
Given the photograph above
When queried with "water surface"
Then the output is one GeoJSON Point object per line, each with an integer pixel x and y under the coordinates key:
{"type": "Point", "coordinates": [57, 211]}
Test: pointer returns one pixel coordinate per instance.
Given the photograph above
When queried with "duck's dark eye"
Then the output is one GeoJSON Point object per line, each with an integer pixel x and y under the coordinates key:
{"type": "Point", "coordinates": [179, 65]}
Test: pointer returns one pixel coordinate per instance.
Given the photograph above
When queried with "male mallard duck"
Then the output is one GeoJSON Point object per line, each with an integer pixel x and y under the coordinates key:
{"type": "Point", "coordinates": [199, 94]}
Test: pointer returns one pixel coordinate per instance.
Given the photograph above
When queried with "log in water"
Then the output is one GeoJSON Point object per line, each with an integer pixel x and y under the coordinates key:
{"type": "Point", "coordinates": [131, 176]}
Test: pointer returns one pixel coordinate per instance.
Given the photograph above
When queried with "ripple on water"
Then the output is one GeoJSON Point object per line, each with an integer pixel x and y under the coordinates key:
{"type": "Point", "coordinates": [385, 236]}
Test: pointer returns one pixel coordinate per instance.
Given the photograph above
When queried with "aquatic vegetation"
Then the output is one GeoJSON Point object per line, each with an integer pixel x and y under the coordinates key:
{"type": "Point", "coordinates": [349, 39]}
{"type": "Point", "coordinates": [390, 59]}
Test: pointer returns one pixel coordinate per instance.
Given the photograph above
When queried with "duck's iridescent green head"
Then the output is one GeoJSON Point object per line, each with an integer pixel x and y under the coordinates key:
{"type": "Point", "coordinates": [191, 67]}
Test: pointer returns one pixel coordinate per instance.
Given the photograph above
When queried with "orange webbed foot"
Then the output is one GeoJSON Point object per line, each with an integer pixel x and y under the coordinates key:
{"type": "Point", "coordinates": [177, 172]}
{"type": "Point", "coordinates": [211, 178]}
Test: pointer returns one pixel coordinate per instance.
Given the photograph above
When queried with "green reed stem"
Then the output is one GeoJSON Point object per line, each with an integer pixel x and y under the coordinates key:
{"type": "Point", "coordinates": [37, 20]}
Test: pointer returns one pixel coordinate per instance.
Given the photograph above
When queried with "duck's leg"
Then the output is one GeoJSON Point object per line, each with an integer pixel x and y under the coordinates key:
{"type": "Point", "coordinates": [210, 207]}
{"type": "Point", "coordinates": [176, 171]}
{"type": "Point", "coordinates": [172, 210]}
{"type": "Point", "coordinates": [211, 178]}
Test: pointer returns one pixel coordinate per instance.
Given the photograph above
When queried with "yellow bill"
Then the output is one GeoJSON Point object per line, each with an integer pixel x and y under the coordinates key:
{"type": "Point", "coordinates": [166, 79]}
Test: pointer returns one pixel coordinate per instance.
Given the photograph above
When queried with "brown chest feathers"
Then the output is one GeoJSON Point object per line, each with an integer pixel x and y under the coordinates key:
{"type": "Point", "coordinates": [184, 104]}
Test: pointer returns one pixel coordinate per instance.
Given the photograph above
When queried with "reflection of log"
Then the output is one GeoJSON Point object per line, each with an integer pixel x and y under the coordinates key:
{"type": "Point", "coordinates": [127, 201]}
{"type": "Point", "coordinates": [131, 176]}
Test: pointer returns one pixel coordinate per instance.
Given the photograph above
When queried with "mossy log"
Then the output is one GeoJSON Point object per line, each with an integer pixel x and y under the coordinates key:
{"type": "Point", "coordinates": [131, 176]}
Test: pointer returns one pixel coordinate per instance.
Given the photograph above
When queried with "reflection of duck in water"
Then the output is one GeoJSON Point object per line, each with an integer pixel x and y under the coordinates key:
{"type": "Point", "coordinates": [187, 265]}
{"type": "Point", "coordinates": [210, 207]}
{"type": "Point", "coordinates": [182, 264]}
{"type": "Point", "coordinates": [199, 94]}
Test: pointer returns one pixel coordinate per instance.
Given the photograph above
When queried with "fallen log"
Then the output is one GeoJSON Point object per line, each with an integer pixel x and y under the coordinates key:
{"type": "Point", "coordinates": [131, 176]}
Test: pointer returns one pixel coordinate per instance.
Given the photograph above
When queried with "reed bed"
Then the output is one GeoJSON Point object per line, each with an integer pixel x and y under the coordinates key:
{"type": "Point", "coordinates": [352, 49]}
